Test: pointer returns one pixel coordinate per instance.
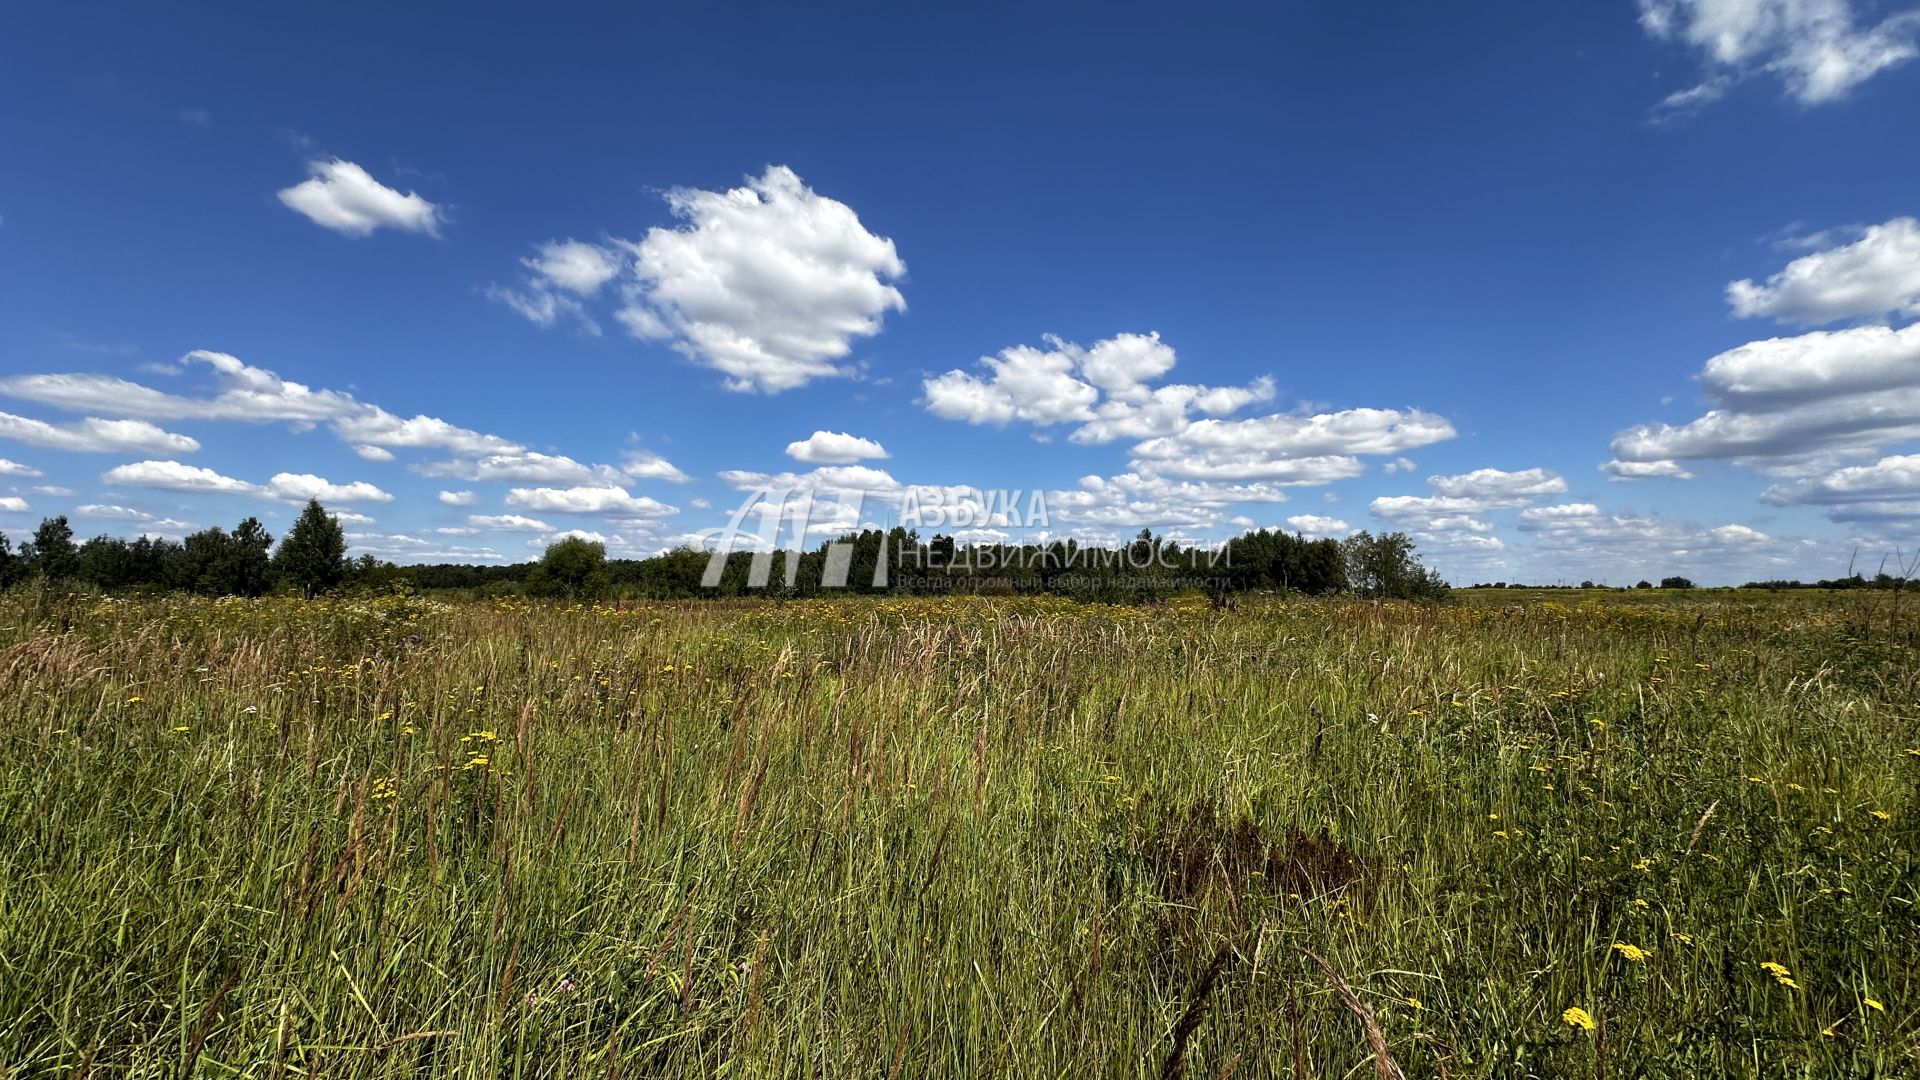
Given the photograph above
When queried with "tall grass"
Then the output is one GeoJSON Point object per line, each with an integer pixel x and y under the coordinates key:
{"type": "Point", "coordinates": [956, 838]}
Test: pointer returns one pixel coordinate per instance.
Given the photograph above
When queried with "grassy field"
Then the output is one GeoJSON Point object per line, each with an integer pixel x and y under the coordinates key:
{"type": "Point", "coordinates": [960, 838]}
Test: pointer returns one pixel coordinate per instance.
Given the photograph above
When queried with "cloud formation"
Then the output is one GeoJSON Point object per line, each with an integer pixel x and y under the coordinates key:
{"type": "Point", "coordinates": [1874, 276]}
{"type": "Point", "coordinates": [769, 283]}
{"type": "Point", "coordinates": [1819, 50]}
{"type": "Point", "coordinates": [342, 196]}
{"type": "Point", "coordinates": [834, 448]}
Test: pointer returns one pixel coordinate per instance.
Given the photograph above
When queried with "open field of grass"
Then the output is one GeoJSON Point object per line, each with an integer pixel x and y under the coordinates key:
{"type": "Point", "coordinates": [959, 838]}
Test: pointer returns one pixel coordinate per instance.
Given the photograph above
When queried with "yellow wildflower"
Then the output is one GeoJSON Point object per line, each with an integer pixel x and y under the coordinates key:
{"type": "Point", "coordinates": [1874, 1005]}
{"type": "Point", "coordinates": [1633, 953]}
{"type": "Point", "coordinates": [1578, 1017]}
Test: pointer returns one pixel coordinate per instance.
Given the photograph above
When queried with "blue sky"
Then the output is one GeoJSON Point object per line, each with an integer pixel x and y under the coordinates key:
{"type": "Point", "coordinates": [478, 277]}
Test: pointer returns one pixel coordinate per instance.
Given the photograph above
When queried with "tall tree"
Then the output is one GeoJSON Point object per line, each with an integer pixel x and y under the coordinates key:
{"type": "Point", "coordinates": [572, 567]}
{"type": "Point", "coordinates": [10, 567]}
{"type": "Point", "coordinates": [313, 554]}
{"type": "Point", "coordinates": [52, 552]}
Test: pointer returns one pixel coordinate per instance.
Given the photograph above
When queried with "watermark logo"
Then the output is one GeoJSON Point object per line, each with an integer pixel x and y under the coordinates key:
{"type": "Point", "coordinates": [970, 541]}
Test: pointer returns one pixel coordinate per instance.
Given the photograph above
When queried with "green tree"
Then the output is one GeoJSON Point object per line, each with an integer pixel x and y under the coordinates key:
{"type": "Point", "coordinates": [313, 554]}
{"type": "Point", "coordinates": [10, 566]}
{"type": "Point", "coordinates": [52, 553]}
{"type": "Point", "coordinates": [574, 567]}
{"type": "Point", "coordinates": [1387, 566]}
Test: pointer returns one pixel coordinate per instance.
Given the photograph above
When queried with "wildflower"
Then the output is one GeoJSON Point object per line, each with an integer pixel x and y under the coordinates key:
{"type": "Point", "coordinates": [182, 727]}
{"type": "Point", "coordinates": [1415, 1002]}
{"type": "Point", "coordinates": [1874, 1005]}
{"type": "Point", "coordinates": [134, 700]}
{"type": "Point", "coordinates": [1579, 1018]}
{"type": "Point", "coordinates": [1684, 939]}
{"type": "Point", "coordinates": [1881, 814]}
{"type": "Point", "coordinates": [1632, 953]}
{"type": "Point", "coordinates": [1778, 971]}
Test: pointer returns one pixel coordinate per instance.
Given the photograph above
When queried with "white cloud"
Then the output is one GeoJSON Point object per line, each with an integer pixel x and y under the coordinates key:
{"type": "Point", "coordinates": [834, 448]}
{"type": "Point", "coordinates": [286, 487]}
{"type": "Point", "coordinates": [341, 196]}
{"type": "Point", "coordinates": [255, 395]}
{"type": "Point", "coordinates": [94, 435]}
{"type": "Point", "coordinates": [457, 498]}
{"type": "Point", "coordinates": [1619, 471]}
{"type": "Point", "coordinates": [1318, 525]}
{"type": "Point", "coordinates": [299, 487]}
{"type": "Point", "coordinates": [14, 468]}
{"type": "Point", "coordinates": [1449, 516]}
{"type": "Point", "coordinates": [173, 476]}
{"type": "Point", "coordinates": [1889, 479]}
{"type": "Point", "coordinates": [603, 501]}
{"type": "Point", "coordinates": [1826, 392]}
{"type": "Point", "coordinates": [13, 504]}
{"type": "Point", "coordinates": [1876, 275]}
{"type": "Point", "coordinates": [1101, 388]}
{"type": "Point", "coordinates": [647, 465]}
{"type": "Point", "coordinates": [508, 523]}
{"type": "Point", "coordinates": [560, 274]}
{"type": "Point", "coordinates": [1491, 488]}
{"type": "Point", "coordinates": [1817, 48]}
{"type": "Point", "coordinates": [1290, 449]}
{"type": "Point", "coordinates": [574, 266]}
{"type": "Point", "coordinates": [1131, 500]}
{"type": "Point", "coordinates": [574, 534]}
{"type": "Point", "coordinates": [521, 466]}
{"type": "Point", "coordinates": [150, 524]}
{"type": "Point", "coordinates": [769, 283]}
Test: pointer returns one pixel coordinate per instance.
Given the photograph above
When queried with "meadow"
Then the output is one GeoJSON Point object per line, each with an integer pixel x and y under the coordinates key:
{"type": "Point", "coordinates": [1556, 834]}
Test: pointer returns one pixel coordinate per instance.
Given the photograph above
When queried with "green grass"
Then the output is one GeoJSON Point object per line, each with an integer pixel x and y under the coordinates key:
{"type": "Point", "coordinates": [958, 838]}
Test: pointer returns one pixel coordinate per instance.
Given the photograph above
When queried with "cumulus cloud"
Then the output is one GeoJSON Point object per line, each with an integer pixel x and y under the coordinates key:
{"type": "Point", "coordinates": [243, 393]}
{"type": "Point", "coordinates": [834, 448]}
{"type": "Point", "coordinates": [342, 196]}
{"type": "Point", "coordinates": [1131, 500]}
{"type": "Point", "coordinates": [150, 524]}
{"type": "Point", "coordinates": [1818, 49]}
{"type": "Point", "coordinates": [520, 466]}
{"type": "Point", "coordinates": [508, 523]}
{"type": "Point", "coordinates": [94, 435]}
{"type": "Point", "coordinates": [285, 487]}
{"type": "Point", "coordinates": [1101, 388]}
{"type": "Point", "coordinates": [1318, 525]}
{"type": "Point", "coordinates": [13, 504]}
{"type": "Point", "coordinates": [609, 500]}
{"type": "Point", "coordinates": [299, 487]}
{"type": "Point", "coordinates": [647, 465]}
{"type": "Point", "coordinates": [1451, 515]}
{"type": "Point", "coordinates": [14, 468]}
{"type": "Point", "coordinates": [1875, 275]}
{"type": "Point", "coordinates": [1620, 471]}
{"type": "Point", "coordinates": [1287, 448]}
{"type": "Point", "coordinates": [1895, 478]}
{"type": "Point", "coordinates": [174, 476]}
{"type": "Point", "coordinates": [560, 275]}
{"type": "Point", "coordinates": [457, 498]}
{"type": "Point", "coordinates": [1840, 391]}
{"type": "Point", "coordinates": [769, 283]}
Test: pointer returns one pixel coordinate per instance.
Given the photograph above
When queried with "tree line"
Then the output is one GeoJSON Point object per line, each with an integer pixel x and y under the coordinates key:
{"type": "Point", "coordinates": [312, 559]}
{"type": "Point", "coordinates": [243, 561]}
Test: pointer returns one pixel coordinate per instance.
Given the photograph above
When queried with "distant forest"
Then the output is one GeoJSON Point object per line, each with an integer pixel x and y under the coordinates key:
{"type": "Point", "coordinates": [313, 559]}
